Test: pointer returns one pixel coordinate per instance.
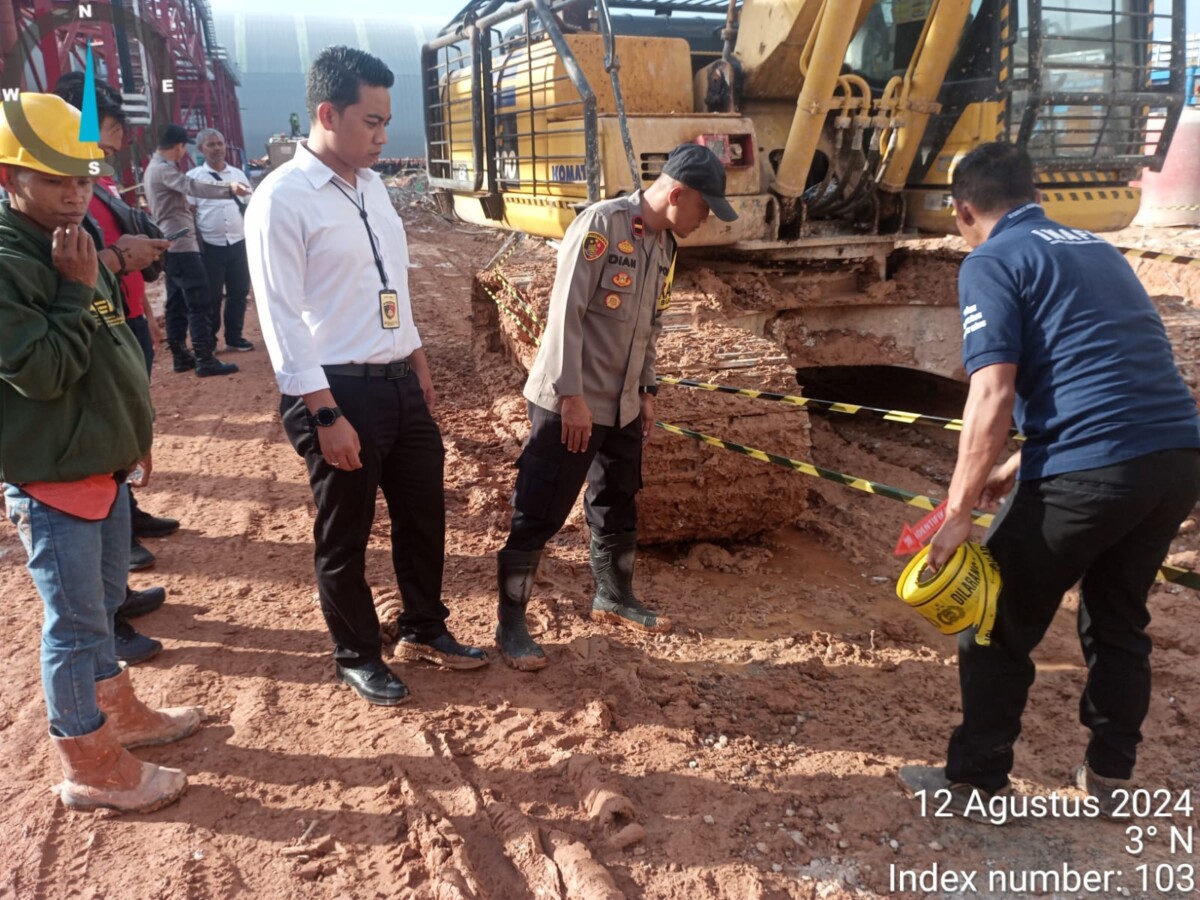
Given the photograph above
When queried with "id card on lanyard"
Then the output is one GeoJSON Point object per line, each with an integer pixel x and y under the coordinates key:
{"type": "Point", "coordinates": [389, 300]}
{"type": "Point", "coordinates": [389, 309]}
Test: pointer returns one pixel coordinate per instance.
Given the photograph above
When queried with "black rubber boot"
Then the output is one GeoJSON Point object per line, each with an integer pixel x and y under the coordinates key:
{"type": "Point", "coordinates": [183, 357]}
{"type": "Point", "coordinates": [613, 556]}
{"type": "Point", "coordinates": [207, 364]}
{"type": "Point", "coordinates": [515, 570]}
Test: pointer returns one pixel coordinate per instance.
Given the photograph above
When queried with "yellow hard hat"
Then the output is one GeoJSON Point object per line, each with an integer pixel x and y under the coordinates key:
{"type": "Point", "coordinates": [962, 593]}
{"type": "Point", "coordinates": [41, 132]}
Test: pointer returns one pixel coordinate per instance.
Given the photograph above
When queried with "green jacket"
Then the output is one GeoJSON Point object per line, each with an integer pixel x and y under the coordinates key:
{"type": "Point", "coordinates": [74, 396]}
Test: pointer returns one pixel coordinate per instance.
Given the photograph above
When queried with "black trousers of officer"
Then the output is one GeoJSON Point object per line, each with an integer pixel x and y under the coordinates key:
{"type": "Point", "coordinates": [402, 454]}
{"type": "Point", "coordinates": [549, 478]}
{"type": "Point", "coordinates": [1111, 528]}
{"type": "Point", "coordinates": [228, 273]}
{"type": "Point", "coordinates": [187, 302]}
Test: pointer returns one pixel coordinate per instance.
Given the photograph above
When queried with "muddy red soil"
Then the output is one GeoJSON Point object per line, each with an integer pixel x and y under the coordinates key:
{"type": "Point", "coordinates": [751, 754]}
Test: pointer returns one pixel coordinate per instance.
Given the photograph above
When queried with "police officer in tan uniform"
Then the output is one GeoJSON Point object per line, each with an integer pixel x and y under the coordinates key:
{"type": "Point", "coordinates": [591, 391]}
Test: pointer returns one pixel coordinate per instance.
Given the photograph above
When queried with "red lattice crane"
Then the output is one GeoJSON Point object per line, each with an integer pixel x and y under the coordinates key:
{"type": "Point", "coordinates": [161, 54]}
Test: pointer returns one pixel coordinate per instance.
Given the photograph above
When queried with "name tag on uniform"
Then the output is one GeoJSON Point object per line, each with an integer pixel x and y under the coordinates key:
{"type": "Point", "coordinates": [389, 309]}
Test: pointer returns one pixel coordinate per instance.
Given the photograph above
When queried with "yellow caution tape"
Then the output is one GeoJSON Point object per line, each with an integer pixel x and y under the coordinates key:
{"type": "Point", "coordinates": [962, 594]}
{"type": "Point", "coordinates": [1161, 257]}
{"type": "Point", "coordinates": [1165, 573]}
{"type": "Point", "coordinates": [899, 416]}
{"type": "Point", "coordinates": [512, 314]}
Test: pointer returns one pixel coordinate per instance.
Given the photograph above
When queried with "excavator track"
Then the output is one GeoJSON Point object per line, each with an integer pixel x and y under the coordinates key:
{"type": "Point", "coordinates": [691, 491]}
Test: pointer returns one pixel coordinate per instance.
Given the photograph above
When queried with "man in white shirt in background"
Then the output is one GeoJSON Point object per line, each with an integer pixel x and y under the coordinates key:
{"type": "Point", "coordinates": [329, 262]}
{"type": "Point", "coordinates": [223, 240]}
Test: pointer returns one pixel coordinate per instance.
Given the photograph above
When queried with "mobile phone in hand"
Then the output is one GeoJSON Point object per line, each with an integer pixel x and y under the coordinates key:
{"type": "Point", "coordinates": [174, 236]}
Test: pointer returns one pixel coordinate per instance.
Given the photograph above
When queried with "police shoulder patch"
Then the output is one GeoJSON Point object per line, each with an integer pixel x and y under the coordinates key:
{"type": "Point", "coordinates": [594, 245]}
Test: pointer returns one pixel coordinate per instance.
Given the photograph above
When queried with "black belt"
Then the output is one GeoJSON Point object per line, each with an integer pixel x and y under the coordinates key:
{"type": "Point", "coordinates": [392, 371]}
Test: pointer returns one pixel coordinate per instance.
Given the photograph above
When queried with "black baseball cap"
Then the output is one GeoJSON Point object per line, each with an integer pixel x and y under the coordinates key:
{"type": "Point", "coordinates": [698, 168]}
{"type": "Point", "coordinates": [174, 135]}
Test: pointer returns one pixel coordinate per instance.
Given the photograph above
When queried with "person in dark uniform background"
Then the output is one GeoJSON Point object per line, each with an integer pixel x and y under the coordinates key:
{"type": "Point", "coordinates": [591, 391]}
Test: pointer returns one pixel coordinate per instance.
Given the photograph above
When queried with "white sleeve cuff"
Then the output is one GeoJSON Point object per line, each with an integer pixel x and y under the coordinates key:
{"type": "Point", "coordinates": [300, 383]}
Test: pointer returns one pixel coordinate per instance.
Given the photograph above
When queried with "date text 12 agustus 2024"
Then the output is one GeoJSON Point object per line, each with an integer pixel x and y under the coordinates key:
{"type": "Point", "coordinates": [1150, 818]}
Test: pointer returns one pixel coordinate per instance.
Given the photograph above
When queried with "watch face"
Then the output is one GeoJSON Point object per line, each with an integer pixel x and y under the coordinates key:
{"type": "Point", "coordinates": [325, 416]}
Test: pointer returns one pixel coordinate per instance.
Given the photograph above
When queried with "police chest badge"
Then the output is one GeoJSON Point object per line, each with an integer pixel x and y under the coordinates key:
{"type": "Point", "coordinates": [594, 246]}
{"type": "Point", "coordinates": [389, 309]}
{"type": "Point", "coordinates": [625, 247]}
{"type": "Point", "coordinates": [622, 279]}
{"type": "Point", "coordinates": [613, 301]}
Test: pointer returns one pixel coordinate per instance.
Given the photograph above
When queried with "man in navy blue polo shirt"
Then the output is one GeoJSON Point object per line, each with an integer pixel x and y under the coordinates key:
{"type": "Point", "coordinates": [1059, 333]}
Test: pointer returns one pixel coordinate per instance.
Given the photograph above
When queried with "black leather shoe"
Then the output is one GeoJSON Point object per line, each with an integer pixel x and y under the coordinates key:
{"type": "Point", "coordinates": [208, 365]}
{"type": "Point", "coordinates": [240, 344]}
{"type": "Point", "coordinates": [374, 682]}
{"type": "Point", "coordinates": [138, 603]}
{"type": "Point", "coordinates": [443, 650]}
{"type": "Point", "coordinates": [139, 557]}
{"type": "Point", "coordinates": [146, 525]}
{"type": "Point", "coordinates": [134, 648]}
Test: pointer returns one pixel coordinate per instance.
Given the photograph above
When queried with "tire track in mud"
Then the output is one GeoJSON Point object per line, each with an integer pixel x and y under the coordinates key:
{"type": "Point", "coordinates": [476, 845]}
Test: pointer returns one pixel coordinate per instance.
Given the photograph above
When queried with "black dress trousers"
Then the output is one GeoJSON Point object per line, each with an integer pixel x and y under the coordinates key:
{"type": "Point", "coordinates": [402, 454]}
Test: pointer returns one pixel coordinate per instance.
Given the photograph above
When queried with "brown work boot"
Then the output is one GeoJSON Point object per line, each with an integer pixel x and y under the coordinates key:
{"type": "Point", "coordinates": [135, 723]}
{"type": "Point", "coordinates": [101, 774]}
{"type": "Point", "coordinates": [612, 557]}
{"type": "Point", "coordinates": [1103, 789]}
{"type": "Point", "coordinates": [945, 796]}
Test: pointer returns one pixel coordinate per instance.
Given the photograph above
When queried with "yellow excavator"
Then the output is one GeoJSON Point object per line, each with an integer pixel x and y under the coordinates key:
{"type": "Point", "coordinates": [839, 123]}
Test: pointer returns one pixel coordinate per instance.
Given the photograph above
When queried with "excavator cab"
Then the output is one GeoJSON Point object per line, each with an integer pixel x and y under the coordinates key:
{"type": "Point", "coordinates": [831, 115]}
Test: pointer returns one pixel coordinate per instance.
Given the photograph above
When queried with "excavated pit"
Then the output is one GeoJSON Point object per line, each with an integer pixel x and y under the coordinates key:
{"type": "Point", "coordinates": [742, 325]}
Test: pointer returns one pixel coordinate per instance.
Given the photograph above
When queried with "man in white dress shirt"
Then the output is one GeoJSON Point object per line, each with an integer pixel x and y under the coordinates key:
{"type": "Point", "coordinates": [223, 240]}
{"type": "Point", "coordinates": [329, 260]}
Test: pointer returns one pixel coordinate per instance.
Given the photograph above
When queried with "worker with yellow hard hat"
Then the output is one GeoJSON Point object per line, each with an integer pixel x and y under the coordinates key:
{"type": "Point", "coordinates": [75, 417]}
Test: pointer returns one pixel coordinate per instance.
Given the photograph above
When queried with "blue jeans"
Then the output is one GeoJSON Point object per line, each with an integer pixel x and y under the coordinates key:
{"type": "Point", "coordinates": [80, 569]}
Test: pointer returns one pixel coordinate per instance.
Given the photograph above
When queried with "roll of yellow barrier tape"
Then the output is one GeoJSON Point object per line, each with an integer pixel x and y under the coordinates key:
{"type": "Point", "coordinates": [962, 593]}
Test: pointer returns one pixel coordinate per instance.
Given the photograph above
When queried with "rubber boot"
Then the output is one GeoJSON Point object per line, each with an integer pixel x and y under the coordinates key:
{"type": "Point", "coordinates": [101, 774]}
{"type": "Point", "coordinates": [135, 723]}
{"type": "Point", "coordinates": [515, 570]}
{"type": "Point", "coordinates": [207, 364]}
{"type": "Point", "coordinates": [183, 357]}
{"type": "Point", "coordinates": [613, 556]}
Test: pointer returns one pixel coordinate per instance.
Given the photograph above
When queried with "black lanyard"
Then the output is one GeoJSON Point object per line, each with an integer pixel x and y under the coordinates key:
{"type": "Point", "coordinates": [362, 213]}
{"type": "Point", "coordinates": [240, 205]}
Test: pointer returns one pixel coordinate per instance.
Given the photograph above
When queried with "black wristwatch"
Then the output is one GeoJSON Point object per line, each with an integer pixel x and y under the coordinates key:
{"type": "Point", "coordinates": [651, 389]}
{"type": "Point", "coordinates": [327, 415]}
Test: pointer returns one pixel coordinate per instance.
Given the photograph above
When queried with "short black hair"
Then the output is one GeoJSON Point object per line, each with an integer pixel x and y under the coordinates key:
{"type": "Point", "coordinates": [994, 177]}
{"type": "Point", "coordinates": [172, 136]}
{"type": "Point", "coordinates": [109, 103]}
{"type": "Point", "coordinates": [336, 74]}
